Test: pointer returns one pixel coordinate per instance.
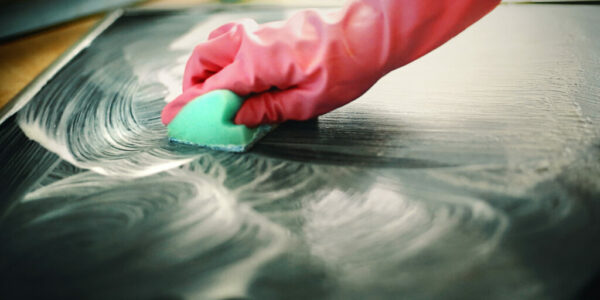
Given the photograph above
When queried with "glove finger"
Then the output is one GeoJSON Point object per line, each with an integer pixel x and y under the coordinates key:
{"type": "Point", "coordinates": [252, 75]}
{"type": "Point", "coordinates": [247, 24]}
{"type": "Point", "coordinates": [209, 58]}
{"type": "Point", "coordinates": [229, 78]}
{"type": "Point", "coordinates": [276, 107]}
{"type": "Point", "coordinates": [235, 78]}
{"type": "Point", "coordinates": [219, 51]}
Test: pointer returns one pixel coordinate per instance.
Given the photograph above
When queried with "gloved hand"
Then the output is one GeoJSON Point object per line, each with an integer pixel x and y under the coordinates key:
{"type": "Point", "coordinates": [316, 62]}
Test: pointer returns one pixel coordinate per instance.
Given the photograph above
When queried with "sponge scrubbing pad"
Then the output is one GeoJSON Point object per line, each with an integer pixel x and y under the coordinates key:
{"type": "Point", "coordinates": [207, 121]}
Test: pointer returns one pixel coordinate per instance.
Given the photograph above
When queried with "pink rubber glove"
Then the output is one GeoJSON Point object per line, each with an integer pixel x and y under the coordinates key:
{"type": "Point", "coordinates": [316, 62]}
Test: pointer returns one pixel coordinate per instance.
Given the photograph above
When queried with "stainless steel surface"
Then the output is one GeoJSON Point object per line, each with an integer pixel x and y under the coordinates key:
{"type": "Point", "coordinates": [472, 173]}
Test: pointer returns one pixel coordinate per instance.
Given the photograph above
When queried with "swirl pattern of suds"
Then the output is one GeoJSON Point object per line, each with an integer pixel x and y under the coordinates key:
{"type": "Point", "coordinates": [180, 235]}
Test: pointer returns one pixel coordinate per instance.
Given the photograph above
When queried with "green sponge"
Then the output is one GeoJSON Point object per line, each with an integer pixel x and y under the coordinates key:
{"type": "Point", "coordinates": [207, 121]}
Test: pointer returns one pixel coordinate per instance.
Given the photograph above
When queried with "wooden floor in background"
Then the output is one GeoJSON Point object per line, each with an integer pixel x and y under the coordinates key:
{"type": "Point", "coordinates": [24, 58]}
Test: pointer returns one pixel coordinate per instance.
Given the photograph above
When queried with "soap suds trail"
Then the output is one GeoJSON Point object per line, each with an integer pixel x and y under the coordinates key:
{"type": "Point", "coordinates": [170, 232]}
{"type": "Point", "coordinates": [100, 112]}
{"type": "Point", "coordinates": [503, 180]}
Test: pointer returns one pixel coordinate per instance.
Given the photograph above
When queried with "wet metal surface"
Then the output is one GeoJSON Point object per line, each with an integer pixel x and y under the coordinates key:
{"type": "Point", "coordinates": [473, 173]}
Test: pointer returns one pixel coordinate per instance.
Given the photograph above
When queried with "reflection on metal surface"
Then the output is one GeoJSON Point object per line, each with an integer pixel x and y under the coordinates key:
{"type": "Point", "coordinates": [472, 173]}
